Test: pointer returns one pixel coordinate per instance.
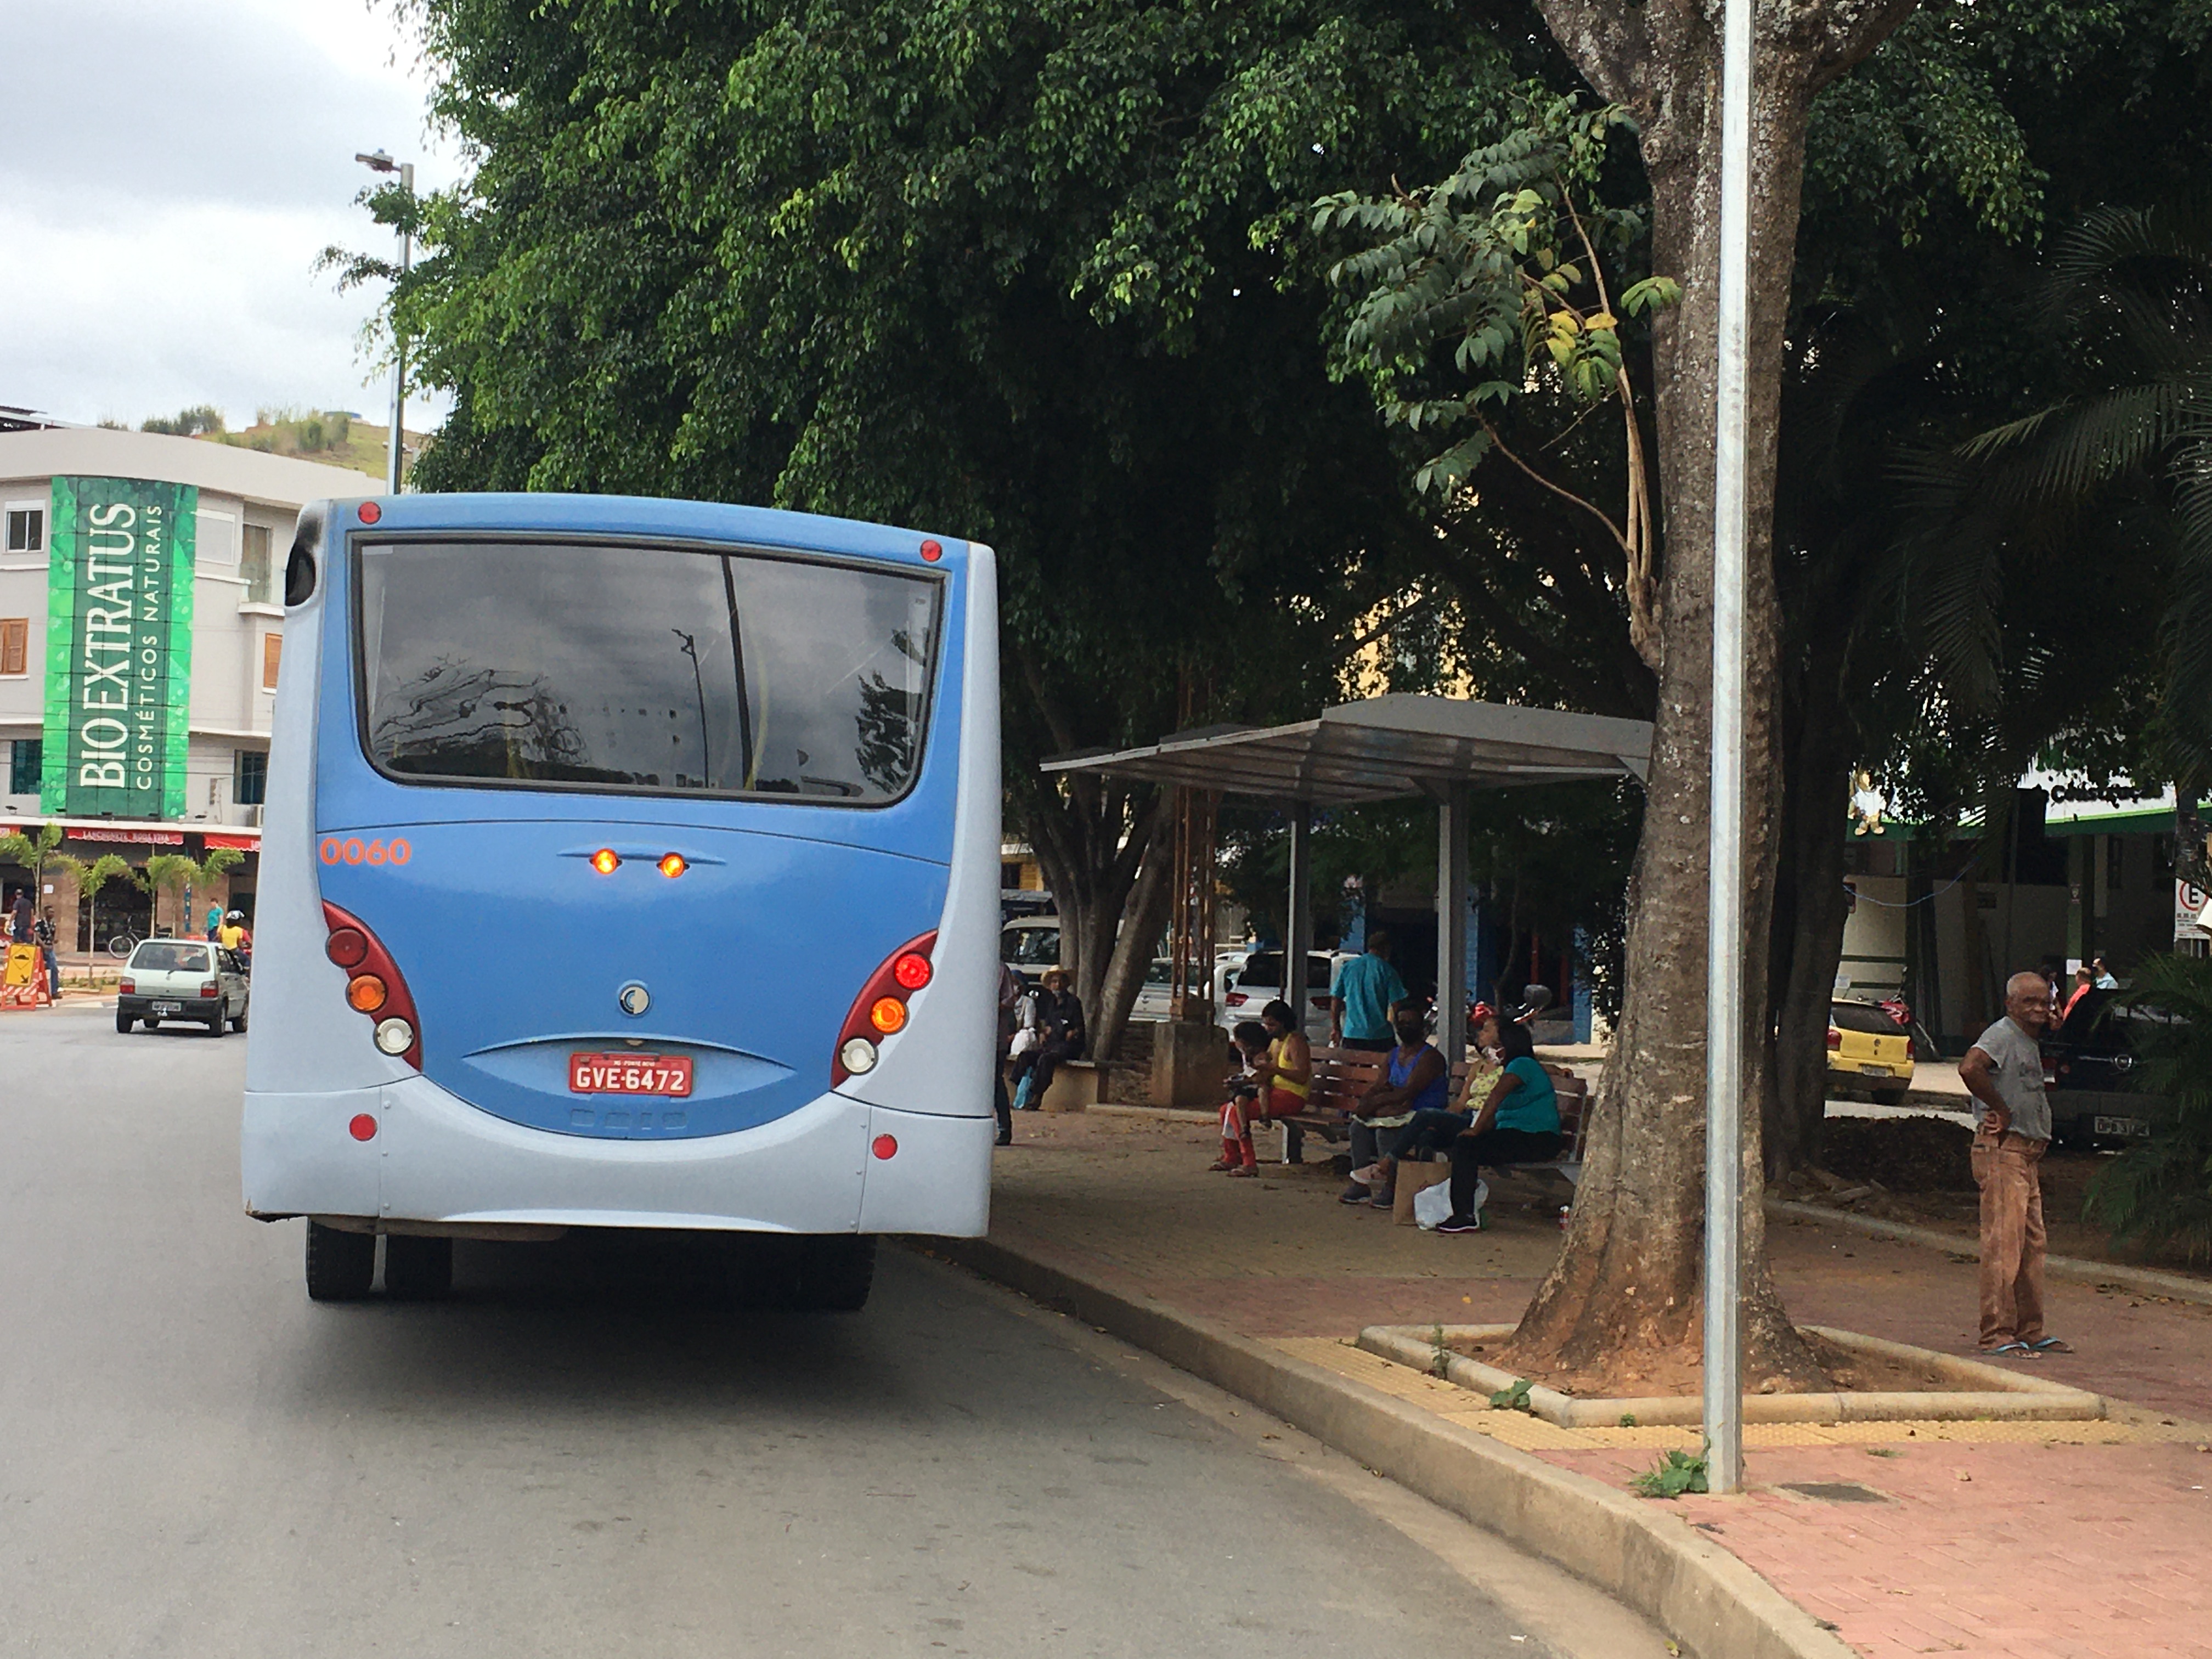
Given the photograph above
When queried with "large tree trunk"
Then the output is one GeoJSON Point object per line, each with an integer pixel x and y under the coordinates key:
{"type": "Point", "coordinates": [1810, 909]}
{"type": "Point", "coordinates": [1094, 845]}
{"type": "Point", "coordinates": [1626, 1284]}
{"type": "Point", "coordinates": [1132, 955]}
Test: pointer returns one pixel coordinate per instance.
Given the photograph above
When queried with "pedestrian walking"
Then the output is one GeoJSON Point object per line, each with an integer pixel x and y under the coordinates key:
{"type": "Point", "coordinates": [1361, 996]}
{"type": "Point", "coordinates": [2003, 1071]}
{"type": "Point", "coordinates": [1010, 1003]}
{"type": "Point", "coordinates": [20, 917]}
{"type": "Point", "coordinates": [42, 935]}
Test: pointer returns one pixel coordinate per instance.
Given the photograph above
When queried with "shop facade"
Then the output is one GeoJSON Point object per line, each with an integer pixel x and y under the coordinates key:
{"type": "Point", "coordinates": [141, 632]}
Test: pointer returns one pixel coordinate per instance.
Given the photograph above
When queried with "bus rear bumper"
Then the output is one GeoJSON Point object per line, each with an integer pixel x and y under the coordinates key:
{"type": "Point", "coordinates": [434, 1159]}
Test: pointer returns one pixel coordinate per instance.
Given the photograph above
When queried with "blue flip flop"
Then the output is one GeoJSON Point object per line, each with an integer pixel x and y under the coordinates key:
{"type": "Point", "coordinates": [2050, 1344]}
{"type": "Point", "coordinates": [2008, 1348]}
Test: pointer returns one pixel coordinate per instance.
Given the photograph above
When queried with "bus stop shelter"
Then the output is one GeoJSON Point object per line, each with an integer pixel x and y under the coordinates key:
{"type": "Point", "coordinates": [1389, 748]}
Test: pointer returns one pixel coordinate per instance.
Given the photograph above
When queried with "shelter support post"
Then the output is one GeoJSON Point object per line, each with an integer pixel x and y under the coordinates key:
{"type": "Point", "coordinates": [1297, 914]}
{"type": "Point", "coordinates": [1451, 923]}
{"type": "Point", "coordinates": [1190, 950]}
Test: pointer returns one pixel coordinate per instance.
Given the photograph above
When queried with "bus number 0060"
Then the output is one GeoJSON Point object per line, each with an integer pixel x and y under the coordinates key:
{"type": "Point", "coordinates": [355, 851]}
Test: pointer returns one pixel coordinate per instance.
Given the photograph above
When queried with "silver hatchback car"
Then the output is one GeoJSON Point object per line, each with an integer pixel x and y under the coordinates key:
{"type": "Point", "coordinates": [183, 978]}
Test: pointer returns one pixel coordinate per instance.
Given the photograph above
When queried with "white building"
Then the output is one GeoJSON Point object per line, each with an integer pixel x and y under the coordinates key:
{"type": "Point", "coordinates": [194, 530]}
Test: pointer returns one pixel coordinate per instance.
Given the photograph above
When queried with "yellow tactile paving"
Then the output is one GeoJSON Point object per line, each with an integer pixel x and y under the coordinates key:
{"type": "Point", "coordinates": [1453, 1403]}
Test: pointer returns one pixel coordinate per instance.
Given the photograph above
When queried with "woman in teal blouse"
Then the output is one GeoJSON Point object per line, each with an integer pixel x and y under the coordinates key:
{"type": "Point", "coordinates": [1519, 1123]}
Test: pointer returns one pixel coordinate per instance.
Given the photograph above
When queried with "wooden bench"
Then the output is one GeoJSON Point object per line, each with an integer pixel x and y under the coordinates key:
{"type": "Point", "coordinates": [1342, 1076]}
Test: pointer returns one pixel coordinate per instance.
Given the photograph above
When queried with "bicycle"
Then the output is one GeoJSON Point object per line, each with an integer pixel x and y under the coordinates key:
{"type": "Point", "coordinates": [123, 944]}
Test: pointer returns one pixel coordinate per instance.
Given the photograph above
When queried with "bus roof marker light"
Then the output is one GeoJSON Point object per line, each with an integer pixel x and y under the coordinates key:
{"type": "Point", "coordinates": [911, 970]}
{"type": "Point", "coordinates": [888, 1015]}
{"type": "Point", "coordinates": [932, 551]}
{"type": "Point", "coordinates": [858, 1055]}
{"type": "Point", "coordinates": [884, 1147]}
{"type": "Point", "coordinates": [673, 865]}
{"type": "Point", "coordinates": [369, 511]}
{"type": "Point", "coordinates": [366, 994]}
{"type": "Point", "coordinates": [605, 860]}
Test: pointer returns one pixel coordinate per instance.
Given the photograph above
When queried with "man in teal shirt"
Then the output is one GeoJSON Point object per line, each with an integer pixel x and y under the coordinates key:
{"type": "Point", "coordinates": [1360, 996]}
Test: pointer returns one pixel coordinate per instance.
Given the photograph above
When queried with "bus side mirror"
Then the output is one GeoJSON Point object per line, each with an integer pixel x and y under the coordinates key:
{"type": "Point", "coordinates": [299, 567]}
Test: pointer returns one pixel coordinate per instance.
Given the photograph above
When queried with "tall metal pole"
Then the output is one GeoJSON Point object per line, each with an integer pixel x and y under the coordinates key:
{"type": "Point", "coordinates": [1724, 929]}
{"type": "Point", "coordinates": [399, 339]}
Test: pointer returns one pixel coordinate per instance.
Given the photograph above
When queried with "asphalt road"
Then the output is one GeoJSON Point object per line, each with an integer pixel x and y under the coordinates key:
{"type": "Point", "coordinates": [600, 1449]}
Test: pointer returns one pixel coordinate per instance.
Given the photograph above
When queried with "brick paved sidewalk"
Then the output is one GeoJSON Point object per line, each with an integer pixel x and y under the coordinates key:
{"type": "Point", "coordinates": [2085, 1542]}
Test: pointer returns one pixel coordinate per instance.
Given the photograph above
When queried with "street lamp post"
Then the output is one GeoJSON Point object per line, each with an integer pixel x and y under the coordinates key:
{"type": "Point", "coordinates": [1724, 929]}
{"type": "Point", "coordinates": [379, 161]}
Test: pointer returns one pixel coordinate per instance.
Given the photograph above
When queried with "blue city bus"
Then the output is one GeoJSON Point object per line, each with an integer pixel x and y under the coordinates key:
{"type": "Point", "coordinates": [625, 863]}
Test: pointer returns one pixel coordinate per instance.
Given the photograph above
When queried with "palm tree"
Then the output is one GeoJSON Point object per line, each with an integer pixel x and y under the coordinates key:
{"type": "Point", "coordinates": [2128, 295]}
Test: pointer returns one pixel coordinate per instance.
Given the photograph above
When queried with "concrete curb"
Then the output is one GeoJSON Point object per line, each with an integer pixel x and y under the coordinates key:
{"type": "Point", "coordinates": [1999, 1394]}
{"type": "Point", "coordinates": [2147, 1281]}
{"type": "Point", "coordinates": [1651, 1561]}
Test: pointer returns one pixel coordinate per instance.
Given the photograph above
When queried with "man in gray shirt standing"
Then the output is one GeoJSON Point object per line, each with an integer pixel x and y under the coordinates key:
{"type": "Point", "coordinates": [2003, 1071]}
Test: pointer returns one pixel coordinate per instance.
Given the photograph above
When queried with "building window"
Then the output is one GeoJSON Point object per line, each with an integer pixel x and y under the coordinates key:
{"type": "Point", "coordinates": [14, 645]}
{"type": "Point", "coordinates": [215, 537]}
{"type": "Point", "coordinates": [253, 562]}
{"type": "Point", "coordinates": [272, 653]}
{"type": "Point", "coordinates": [249, 781]}
{"type": "Point", "coordinates": [23, 764]}
{"type": "Point", "coordinates": [27, 529]}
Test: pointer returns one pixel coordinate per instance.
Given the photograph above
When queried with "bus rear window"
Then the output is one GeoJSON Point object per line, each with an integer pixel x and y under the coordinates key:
{"type": "Point", "coordinates": [644, 669]}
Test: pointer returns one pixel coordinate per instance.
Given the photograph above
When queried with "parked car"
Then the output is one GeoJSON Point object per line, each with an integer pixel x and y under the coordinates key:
{"type": "Point", "coordinates": [183, 979]}
{"type": "Point", "coordinates": [1240, 992]}
{"type": "Point", "coordinates": [2092, 1074]}
{"type": "Point", "coordinates": [1869, 1049]}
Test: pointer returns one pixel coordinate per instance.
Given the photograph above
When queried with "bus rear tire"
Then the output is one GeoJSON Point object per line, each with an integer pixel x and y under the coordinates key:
{"type": "Point", "coordinates": [835, 1272]}
{"type": "Point", "coordinates": [341, 1265]}
{"type": "Point", "coordinates": [417, 1269]}
{"type": "Point", "coordinates": [123, 1022]}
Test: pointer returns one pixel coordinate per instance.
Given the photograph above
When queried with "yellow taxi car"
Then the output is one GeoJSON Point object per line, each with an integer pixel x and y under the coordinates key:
{"type": "Point", "coordinates": [1868, 1049]}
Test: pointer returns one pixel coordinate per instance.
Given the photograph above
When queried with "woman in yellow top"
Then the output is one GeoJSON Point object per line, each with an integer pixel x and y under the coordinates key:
{"type": "Point", "coordinates": [1285, 1078]}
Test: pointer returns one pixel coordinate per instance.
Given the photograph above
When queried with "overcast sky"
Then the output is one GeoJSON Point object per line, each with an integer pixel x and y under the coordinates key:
{"type": "Point", "coordinates": [168, 170]}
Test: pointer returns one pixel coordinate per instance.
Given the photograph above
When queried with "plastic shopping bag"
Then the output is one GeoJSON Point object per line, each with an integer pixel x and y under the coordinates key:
{"type": "Point", "coordinates": [1432, 1205]}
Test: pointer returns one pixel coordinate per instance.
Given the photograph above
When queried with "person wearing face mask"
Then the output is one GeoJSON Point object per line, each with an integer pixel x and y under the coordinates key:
{"type": "Point", "coordinates": [1432, 1129]}
{"type": "Point", "coordinates": [1519, 1123]}
{"type": "Point", "coordinates": [1416, 1080]}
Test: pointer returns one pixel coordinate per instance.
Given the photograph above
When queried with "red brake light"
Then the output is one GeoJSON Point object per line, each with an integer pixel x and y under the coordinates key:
{"type": "Point", "coordinates": [375, 965]}
{"type": "Point", "coordinates": [209, 988]}
{"type": "Point", "coordinates": [606, 861]}
{"type": "Point", "coordinates": [128, 988]}
{"type": "Point", "coordinates": [346, 947]}
{"type": "Point", "coordinates": [370, 511]}
{"type": "Point", "coordinates": [931, 551]}
{"type": "Point", "coordinates": [880, 1010]}
{"type": "Point", "coordinates": [1835, 1038]}
{"type": "Point", "coordinates": [1236, 999]}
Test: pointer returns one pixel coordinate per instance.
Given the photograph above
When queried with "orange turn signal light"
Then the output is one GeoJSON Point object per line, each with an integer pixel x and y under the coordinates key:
{"type": "Point", "coordinates": [673, 865]}
{"type": "Point", "coordinates": [605, 860]}
{"type": "Point", "coordinates": [366, 994]}
{"type": "Point", "coordinates": [888, 1015]}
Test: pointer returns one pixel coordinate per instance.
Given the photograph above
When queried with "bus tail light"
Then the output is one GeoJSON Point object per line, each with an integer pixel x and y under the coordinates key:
{"type": "Point", "coordinates": [880, 1010]}
{"type": "Point", "coordinates": [375, 988]}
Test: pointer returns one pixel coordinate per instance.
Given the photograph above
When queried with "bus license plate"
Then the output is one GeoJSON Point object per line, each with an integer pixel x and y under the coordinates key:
{"type": "Point", "coordinates": [630, 1074]}
{"type": "Point", "coordinates": [2120, 1126]}
{"type": "Point", "coordinates": [164, 1008]}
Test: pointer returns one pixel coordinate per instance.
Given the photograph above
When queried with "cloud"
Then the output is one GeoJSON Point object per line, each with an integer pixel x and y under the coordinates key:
{"type": "Point", "coordinates": [172, 170]}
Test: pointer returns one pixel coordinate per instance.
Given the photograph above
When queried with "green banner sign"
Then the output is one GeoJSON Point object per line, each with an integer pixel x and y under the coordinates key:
{"type": "Point", "coordinates": [119, 647]}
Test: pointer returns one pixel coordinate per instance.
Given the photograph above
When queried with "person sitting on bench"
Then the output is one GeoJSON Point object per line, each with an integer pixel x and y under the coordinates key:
{"type": "Point", "coordinates": [1430, 1130]}
{"type": "Point", "coordinates": [1519, 1123]}
{"type": "Point", "coordinates": [1282, 1080]}
{"type": "Point", "coordinates": [1249, 1043]}
{"type": "Point", "coordinates": [1415, 1084]}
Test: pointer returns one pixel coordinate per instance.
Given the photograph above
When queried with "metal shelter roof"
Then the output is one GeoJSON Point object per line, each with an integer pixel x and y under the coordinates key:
{"type": "Point", "coordinates": [1384, 749]}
